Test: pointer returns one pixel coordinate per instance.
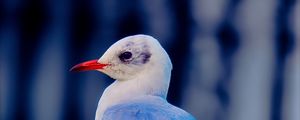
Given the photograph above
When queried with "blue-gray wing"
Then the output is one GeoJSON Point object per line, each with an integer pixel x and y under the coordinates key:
{"type": "Point", "coordinates": [145, 109]}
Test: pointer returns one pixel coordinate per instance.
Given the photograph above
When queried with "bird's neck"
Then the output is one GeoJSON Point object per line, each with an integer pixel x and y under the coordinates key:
{"type": "Point", "coordinates": [154, 83]}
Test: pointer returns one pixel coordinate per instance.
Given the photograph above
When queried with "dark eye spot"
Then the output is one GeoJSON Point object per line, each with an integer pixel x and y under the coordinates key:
{"type": "Point", "coordinates": [125, 56]}
{"type": "Point", "coordinates": [145, 57]}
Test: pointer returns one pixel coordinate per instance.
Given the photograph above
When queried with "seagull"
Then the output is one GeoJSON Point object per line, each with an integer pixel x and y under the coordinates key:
{"type": "Point", "coordinates": [142, 70]}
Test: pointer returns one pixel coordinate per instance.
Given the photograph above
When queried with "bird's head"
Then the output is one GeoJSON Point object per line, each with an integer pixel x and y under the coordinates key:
{"type": "Point", "coordinates": [130, 57]}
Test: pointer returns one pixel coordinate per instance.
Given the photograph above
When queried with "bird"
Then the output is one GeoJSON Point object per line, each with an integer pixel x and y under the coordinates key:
{"type": "Point", "coordinates": [141, 70]}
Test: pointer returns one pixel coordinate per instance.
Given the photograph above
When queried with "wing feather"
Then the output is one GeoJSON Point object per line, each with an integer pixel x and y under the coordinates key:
{"type": "Point", "coordinates": [146, 109]}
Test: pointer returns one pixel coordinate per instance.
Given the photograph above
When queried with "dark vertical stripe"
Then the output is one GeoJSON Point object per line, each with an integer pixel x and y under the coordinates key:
{"type": "Point", "coordinates": [82, 27]}
{"type": "Point", "coordinates": [131, 21]}
{"type": "Point", "coordinates": [284, 42]}
{"type": "Point", "coordinates": [32, 20]}
{"type": "Point", "coordinates": [228, 41]}
{"type": "Point", "coordinates": [179, 50]}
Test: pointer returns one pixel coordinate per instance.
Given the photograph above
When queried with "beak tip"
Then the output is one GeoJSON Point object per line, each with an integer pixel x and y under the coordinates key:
{"type": "Point", "coordinates": [73, 69]}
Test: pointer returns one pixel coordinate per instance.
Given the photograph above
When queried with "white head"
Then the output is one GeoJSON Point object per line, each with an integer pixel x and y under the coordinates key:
{"type": "Point", "coordinates": [138, 56]}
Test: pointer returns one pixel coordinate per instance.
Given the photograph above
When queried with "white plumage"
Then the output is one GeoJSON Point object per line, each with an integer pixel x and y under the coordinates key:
{"type": "Point", "coordinates": [142, 70]}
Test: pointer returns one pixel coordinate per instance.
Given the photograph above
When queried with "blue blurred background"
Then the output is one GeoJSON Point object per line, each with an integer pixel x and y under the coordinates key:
{"type": "Point", "coordinates": [232, 59]}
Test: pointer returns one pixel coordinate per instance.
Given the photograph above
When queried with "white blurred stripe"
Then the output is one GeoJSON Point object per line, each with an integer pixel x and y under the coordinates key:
{"type": "Point", "coordinates": [47, 92]}
{"type": "Point", "coordinates": [8, 55]}
{"type": "Point", "coordinates": [205, 69]}
{"type": "Point", "coordinates": [208, 14]}
{"type": "Point", "coordinates": [159, 21]}
{"type": "Point", "coordinates": [3, 77]}
{"type": "Point", "coordinates": [48, 81]}
{"type": "Point", "coordinates": [291, 100]}
{"type": "Point", "coordinates": [9, 47]}
{"type": "Point", "coordinates": [253, 65]}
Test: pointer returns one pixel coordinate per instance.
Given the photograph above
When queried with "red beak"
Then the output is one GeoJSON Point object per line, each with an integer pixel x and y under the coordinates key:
{"type": "Point", "coordinates": [88, 65]}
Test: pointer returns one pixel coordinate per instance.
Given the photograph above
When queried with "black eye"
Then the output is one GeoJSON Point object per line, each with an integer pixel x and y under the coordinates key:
{"type": "Point", "coordinates": [125, 56]}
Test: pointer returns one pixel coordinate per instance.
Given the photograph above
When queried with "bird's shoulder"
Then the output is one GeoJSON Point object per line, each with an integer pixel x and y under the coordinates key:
{"type": "Point", "coordinates": [146, 108]}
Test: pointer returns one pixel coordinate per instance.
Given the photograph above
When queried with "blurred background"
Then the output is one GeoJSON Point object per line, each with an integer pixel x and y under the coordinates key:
{"type": "Point", "coordinates": [232, 59]}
